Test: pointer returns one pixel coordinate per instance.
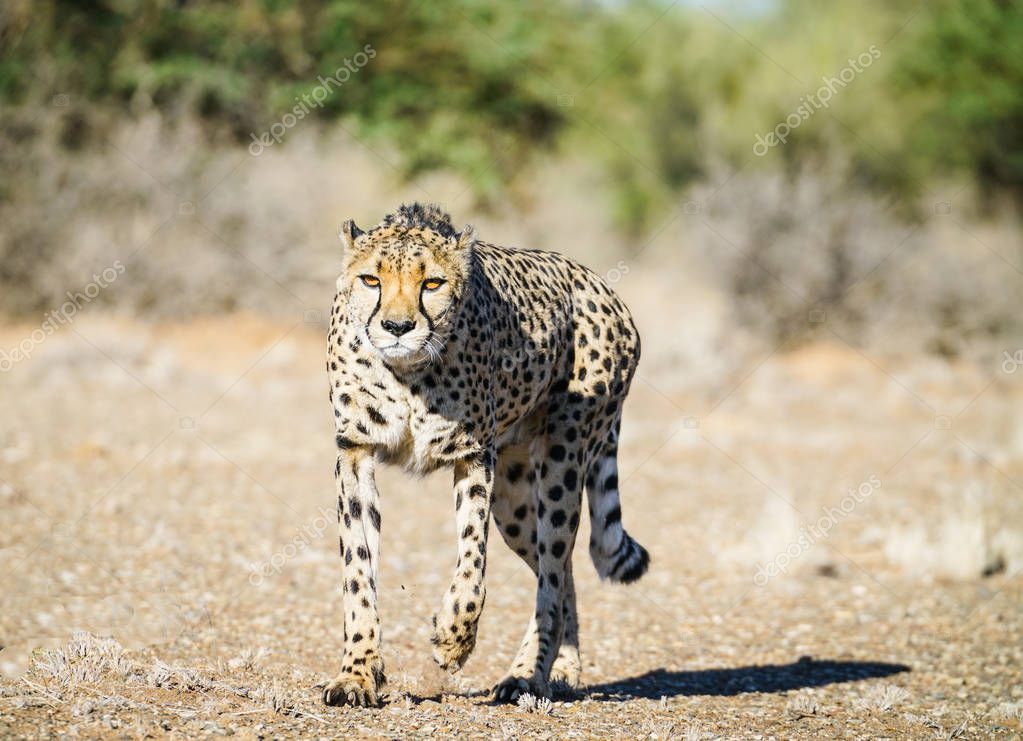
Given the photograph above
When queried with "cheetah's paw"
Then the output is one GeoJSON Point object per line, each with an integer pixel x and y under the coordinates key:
{"type": "Point", "coordinates": [566, 674]}
{"type": "Point", "coordinates": [511, 688]}
{"type": "Point", "coordinates": [359, 690]}
{"type": "Point", "coordinates": [452, 646]}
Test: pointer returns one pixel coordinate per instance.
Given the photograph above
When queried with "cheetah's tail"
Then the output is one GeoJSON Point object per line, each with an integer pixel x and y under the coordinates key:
{"type": "Point", "coordinates": [617, 557]}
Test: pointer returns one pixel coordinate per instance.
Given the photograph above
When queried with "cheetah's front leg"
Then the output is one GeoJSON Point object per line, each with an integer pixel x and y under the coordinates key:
{"type": "Point", "coordinates": [454, 635]}
{"type": "Point", "coordinates": [362, 668]}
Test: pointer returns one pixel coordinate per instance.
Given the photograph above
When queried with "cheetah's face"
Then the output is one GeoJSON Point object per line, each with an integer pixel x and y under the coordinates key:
{"type": "Point", "coordinates": [403, 286]}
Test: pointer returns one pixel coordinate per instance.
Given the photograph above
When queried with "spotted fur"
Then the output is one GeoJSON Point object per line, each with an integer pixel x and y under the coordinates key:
{"type": "Point", "coordinates": [509, 367]}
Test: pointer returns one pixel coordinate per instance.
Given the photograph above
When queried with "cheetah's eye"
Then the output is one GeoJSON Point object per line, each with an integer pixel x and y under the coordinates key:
{"type": "Point", "coordinates": [432, 284]}
{"type": "Point", "coordinates": [370, 280]}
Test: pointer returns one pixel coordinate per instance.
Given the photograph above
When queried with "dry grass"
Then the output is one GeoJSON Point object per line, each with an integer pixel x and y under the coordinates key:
{"type": "Point", "coordinates": [275, 699]}
{"type": "Point", "coordinates": [85, 658]}
{"type": "Point", "coordinates": [883, 697]}
{"type": "Point", "coordinates": [803, 705]}
{"type": "Point", "coordinates": [1011, 711]}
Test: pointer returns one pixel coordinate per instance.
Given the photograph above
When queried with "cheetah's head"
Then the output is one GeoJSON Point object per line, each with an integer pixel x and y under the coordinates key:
{"type": "Point", "coordinates": [404, 278]}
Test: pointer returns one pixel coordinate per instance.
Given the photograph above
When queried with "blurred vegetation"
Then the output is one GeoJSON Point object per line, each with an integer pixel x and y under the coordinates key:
{"type": "Point", "coordinates": [657, 96]}
{"type": "Point", "coordinates": [967, 64]}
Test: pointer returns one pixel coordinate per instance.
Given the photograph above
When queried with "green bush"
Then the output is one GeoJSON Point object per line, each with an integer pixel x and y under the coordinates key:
{"type": "Point", "coordinates": [968, 62]}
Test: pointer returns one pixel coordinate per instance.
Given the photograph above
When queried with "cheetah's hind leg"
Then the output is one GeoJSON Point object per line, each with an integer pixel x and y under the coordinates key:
{"type": "Point", "coordinates": [538, 513]}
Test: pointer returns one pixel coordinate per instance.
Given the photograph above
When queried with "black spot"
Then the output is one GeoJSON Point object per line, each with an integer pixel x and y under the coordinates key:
{"type": "Point", "coordinates": [558, 517]}
{"type": "Point", "coordinates": [355, 508]}
{"type": "Point", "coordinates": [513, 530]}
{"type": "Point", "coordinates": [374, 517]}
{"type": "Point", "coordinates": [558, 549]}
{"type": "Point", "coordinates": [571, 479]}
{"type": "Point", "coordinates": [615, 515]}
{"type": "Point", "coordinates": [375, 416]}
{"type": "Point", "coordinates": [344, 443]}
{"type": "Point", "coordinates": [520, 512]}
{"type": "Point", "coordinates": [514, 472]}
{"type": "Point", "coordinates": [558, 452]}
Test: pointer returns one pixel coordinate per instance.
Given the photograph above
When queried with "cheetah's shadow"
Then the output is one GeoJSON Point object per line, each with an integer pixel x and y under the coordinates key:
{"type": "Point", "coordinates": [727, 682]}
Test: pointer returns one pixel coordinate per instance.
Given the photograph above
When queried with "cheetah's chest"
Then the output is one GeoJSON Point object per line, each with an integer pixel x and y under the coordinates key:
{"type": "Point", "coordinates": [425, 441]}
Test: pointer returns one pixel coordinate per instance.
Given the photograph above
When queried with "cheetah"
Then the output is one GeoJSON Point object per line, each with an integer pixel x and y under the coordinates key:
{"type": "Point", "coordinates": [508, 366]}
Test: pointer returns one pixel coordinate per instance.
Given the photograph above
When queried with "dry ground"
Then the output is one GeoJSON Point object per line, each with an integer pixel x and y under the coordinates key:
{"type": "Point", "coordinates": [169, 487]}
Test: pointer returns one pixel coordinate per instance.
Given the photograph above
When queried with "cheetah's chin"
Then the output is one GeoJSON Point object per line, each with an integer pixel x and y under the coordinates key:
{"type": "Point", "coordinates": [400, 355]}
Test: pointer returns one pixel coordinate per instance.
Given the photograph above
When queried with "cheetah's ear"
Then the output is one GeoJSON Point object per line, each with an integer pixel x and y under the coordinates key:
{"type": "Point", "coordinates": [349, 233]}
{"type": "Point", "coordinates": [467, 238]}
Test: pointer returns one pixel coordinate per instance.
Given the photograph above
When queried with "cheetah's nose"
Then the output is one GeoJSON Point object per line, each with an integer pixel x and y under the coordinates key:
{"type": "Point", "coordinates": [398, 328]}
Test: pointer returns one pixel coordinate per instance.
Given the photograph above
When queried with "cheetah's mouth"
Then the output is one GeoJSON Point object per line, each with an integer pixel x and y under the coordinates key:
{"type": "Point", "coordinates": [408, 354]}
{"type": "Point", "coordinates": [400, 354]}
